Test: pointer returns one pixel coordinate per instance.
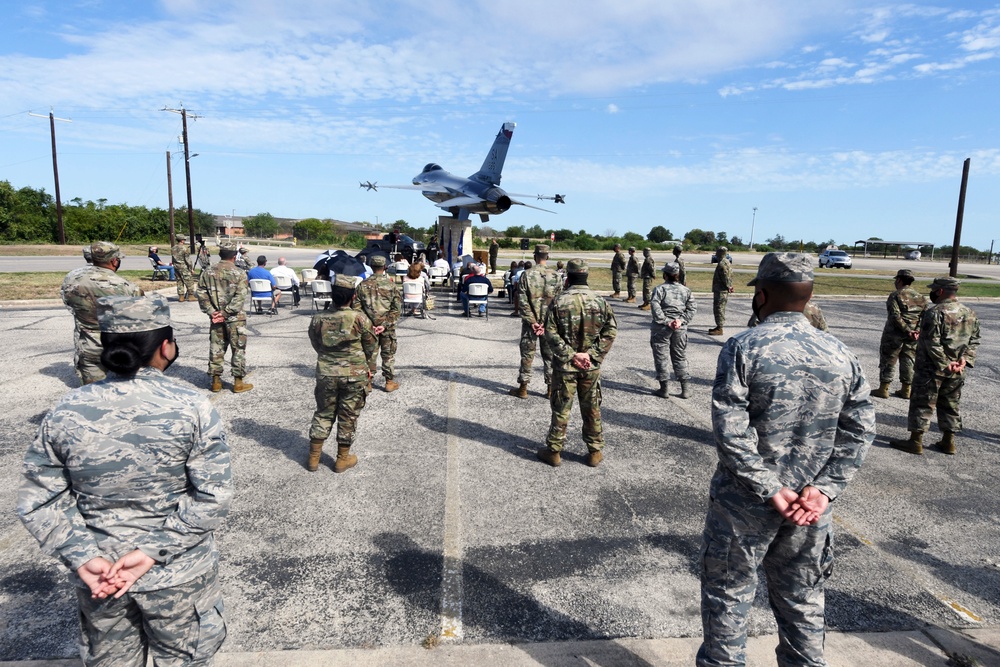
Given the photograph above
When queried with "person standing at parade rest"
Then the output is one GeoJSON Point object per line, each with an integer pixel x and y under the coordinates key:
{"type": "Point", "coordinates": [949, 337]}
{"type": "Point", "coordinates": [904, 307]}
{"type": "Point", "coordinates": [223, 291]}
{"type": "Point", "coordinates": [126, 484]}
{"type": "Point", "coordinates": [80, 291]}
{"type": "Point", "coordinates": [494, 251]}
{"type": "Point", "coordinates": [631, 273]}
{"type": "Point", "coordinates": [793, 420]}
{"type": "Point", "coordinates": [346, 347]}
{"type": "Point", "coordinates": [722, 287]}
{"type": "Point", "coordinates": [381, 302]}
{"type": "Point", "coordinates": [682, 273]}
{"type": "Point", "coordinates": [617, 269]}
{"type": "Point", "coordinates": [186, 284]}
{"type": "Point", "coordinates": [536, 289]}
{"type": "Point", "coordinates": [579, 329]}
{"type": "Point", "coordinates": [673, 309]}
{"type": "Point", "coordinates": [647, 273]}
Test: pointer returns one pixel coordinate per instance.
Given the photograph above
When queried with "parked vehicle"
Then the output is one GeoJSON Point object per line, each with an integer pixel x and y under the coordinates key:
{"type": "Point", "coordinates": [404, 245]}
{"type": "Point", "coordinates": [834, 258]}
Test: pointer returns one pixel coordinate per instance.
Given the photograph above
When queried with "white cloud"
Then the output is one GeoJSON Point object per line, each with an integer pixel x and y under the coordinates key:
{"type": "Point", "coordinates": [613, 108]}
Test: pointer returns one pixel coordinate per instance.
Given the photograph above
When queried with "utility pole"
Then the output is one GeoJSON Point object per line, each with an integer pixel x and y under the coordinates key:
{"type": "Point", "coordinates": [953, 265]}
{"type": "Point", "coordinates": [753, 221]}
{"type": "Point", "coordinates": [55, 171]}
{"type": "Point", "coordinates": [170, 203]}
{"type": "Point", "coordinates": [187, 169]}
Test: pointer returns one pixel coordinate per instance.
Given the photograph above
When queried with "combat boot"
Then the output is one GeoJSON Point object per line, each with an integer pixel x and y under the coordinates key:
{"type": "Point", "coordinates": [662, 391]}
{"type": "Point", "coordinates": [521, 391]}
{"type": "Point", "coordinates": [947, 443]}
{"type": "Point", "coordinates": [685, 389]}
{"type": "Point", "coordinates": [904, 391]}
{"type": "Point", "coordinates": [239, 386]}
{"type": "Point", "coordinates": [616, 295]}
{"type": "Point", "coordinates": [345, 460]}
{"type": "Point", "coordinates": [882, 391]}
{"type": "Point", "coordinates": [716, 331]}
{"type": "Point", "coordinates": [548, 390]}
{"type": "Point", "coordinates": [315, 451]}
{"type": "Point", "coordinates": [631, 299]}
{"type": "Point", "coordinates": [216, 383]}
{"type": "Point", "coordinates": [391, 385]}
{"type": "Point", "coordinates": [594, 458]}
{"type": "Point", "coordinates": [913, 445]}
{"type": "Point", "coordinates": [549, 456]}
{"type": "Point", "coordinates": [645, 306]}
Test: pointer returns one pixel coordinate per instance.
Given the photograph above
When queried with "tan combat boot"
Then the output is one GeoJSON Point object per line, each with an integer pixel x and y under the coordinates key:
{"type": "Point", "coordinates": [913, 445]}
{"type": "Point", "coordinates": [594, 458]}
{"type": "Point", "coordinates": [548, 390]}
{"type": "Point", "coordinates": [716, 331]}
{"type": "Point", "coordinates": [947, 443]}
{"type": "Point", "coordinates": [549, 456]}
{"type": "Point", "coordinates": [315, 451]}
{"type": "Point", "coordinates": [521, 391]}
{"type": "Point", "coordinates": [616, 295]}
{"type": "Point", "coordinates": [662, 391]}
{"type": "Point", "coordinates": [216, 383]}
{"type": "Point", "coordinates": [345, 460]}
{"type": "Point", "coordinates": [904, 391]}
{"type": "Point", "coordinates": [882, 391]}
{"type": "Point", "coordinates": [631, 299]}
{"type": "Point", "coordinates": [391, 385]}
{"type": "Point", "coordinates": [685, 389]}
{"type": "Point", "coordinates": [239, 386]}
{"type": "Point", "coordinates": [645, 306]}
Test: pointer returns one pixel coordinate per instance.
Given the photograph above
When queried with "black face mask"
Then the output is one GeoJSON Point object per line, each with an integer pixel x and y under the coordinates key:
{"type": "Point", "coordinates": [177, 353]}
{"type": "Point", "coordinates": [756, 306]}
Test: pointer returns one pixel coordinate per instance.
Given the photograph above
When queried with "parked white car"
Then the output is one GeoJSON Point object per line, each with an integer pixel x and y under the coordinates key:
{"type": "Point", "coordinates": [834, 258]}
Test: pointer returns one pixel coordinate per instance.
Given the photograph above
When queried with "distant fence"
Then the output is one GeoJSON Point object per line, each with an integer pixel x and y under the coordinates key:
{"type": "Point", "coordinates": [246, 240]}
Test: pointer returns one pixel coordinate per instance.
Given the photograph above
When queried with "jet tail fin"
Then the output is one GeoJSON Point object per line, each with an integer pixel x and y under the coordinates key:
{"type": "Point", "coordinates": [493, 164]}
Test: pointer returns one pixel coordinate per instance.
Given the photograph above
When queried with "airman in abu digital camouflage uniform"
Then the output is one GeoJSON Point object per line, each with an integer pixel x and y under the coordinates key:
{"type": "Point", "coordinates": [538, 286]}
{"type": "Point", "coordinates": [789, 439]}
{"type": "Point", "coordinates": [223, 291]}
{"type": "Point", "coordinates": [80, 291]}
{"type": "Point", "coordinates": [184, 268]}
{"type": "Point", "coordinates": [617, 269]}
{"type": "Point", "coordinates": [812, 312]}
{"type": "Point", "coordinates": [381, 302]}
{"type": "Point", "coordinates": [631, 273]}
{"type": "Point", "coordinates": [722, 286]}
{"type": "Point", "coordinates": [673, 309]}
{"type": "Point", "coordinates": [647, 273]}
{"type": "Point", "coordinates": [949, 336]}
{"type": "Point", "coordinates": [580, 329]}
{"type": "Point", "coordinates": [346, 344]}
{"type": "Point", "coordinates": [125, 484]}
{"type": "Point", "coordinates": [899, 337]}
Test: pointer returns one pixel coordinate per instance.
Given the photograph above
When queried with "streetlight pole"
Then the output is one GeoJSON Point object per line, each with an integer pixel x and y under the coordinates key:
{"type": "Point", "coordinates": [753, 222]}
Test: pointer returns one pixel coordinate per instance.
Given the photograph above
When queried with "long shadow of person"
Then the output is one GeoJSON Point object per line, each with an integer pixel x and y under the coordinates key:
{"type": "Point", "coordinates": [290, 443]}
{"type": "Point", "coordinates": [474, 431]}
{"type": "Point", "coordinates": [63, 371]}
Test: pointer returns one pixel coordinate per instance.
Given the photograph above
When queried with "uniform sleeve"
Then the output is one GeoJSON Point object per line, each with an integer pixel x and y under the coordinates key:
{"type": "Point", "coordinates": [204, 300]}
{"type": "Point", "coordinates": [690, 308]}
{"type": "Point", "coordinates": [606, 337]}
{"type": "Point", "coordinates": [561, 351]}
{"type": "Point", "coordinates": [656, 307]}
{"type": "Point", "coordinates": [970, 350]}
{"type": "Point", "coordinates": [895, 314]}
{"type": "Point", "coordinates": [48, 509]}
{"type": "Point", "coordinates": [395, 304]}
{"type": "Point", "coordinates": [728, 274]}
{"type": "Point", "coordinates": [206, 504]}
{"type": "Point", "coordinates": [735, 439]}
{"type": "Point", "coordinates": [931, 331]}
{"type": "Point", "coordinates": [241, 293]}
{"type": "Point", "coordinates": [369, 343]}
{"type": "Point", "coordinates": [523, 302]}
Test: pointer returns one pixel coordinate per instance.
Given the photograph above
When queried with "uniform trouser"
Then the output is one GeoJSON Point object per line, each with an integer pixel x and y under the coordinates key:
{"type": "Point", "coordinates": [180, 625]}
{"type": "Point", "coordinates": [891, 348]}
{"type": "Point", "coordinates": [493, 263]}
{"type": "Point", "coordinates": [669, 345]}
{"type": "Point", "coordinates": [719, 301]}
{"type": "Point", "coordinates": [186, 284]}
{"type": "Point", "coordinates": [87, 356]}
{"type": "Point", "coordinates": [338, 399]}
{"type": "Point", "coordinates": [528, 338]}
{"type": "Point", "coordinates": [227, 335]}
{"type": "Point", "coordinates": [647, 290]}
{"type": "Point", "coordinates": [797, 562]}
{"type": "Point", "coordinates": [387, 348]}
{"type": "Point", "coordinates": [616, 281]}
{"type": "Point", "coordinates": [931, 392]}
{"type": "Point", "coordinates": [586, 385]}
{"type": "Point", "coordinates": [630, 282]}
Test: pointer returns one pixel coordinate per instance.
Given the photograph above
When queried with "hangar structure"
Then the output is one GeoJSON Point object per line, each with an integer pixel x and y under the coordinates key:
{"type": "Point", "coordinates": [887, 245]}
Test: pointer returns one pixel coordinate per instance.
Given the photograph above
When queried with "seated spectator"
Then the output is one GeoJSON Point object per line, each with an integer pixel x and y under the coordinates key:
{"type": "Point", "coordinates": [368, 269]}
{"type": "Point", "coordinates": [282, 270]}
{"type": "Point", "coordinates": [478, 277]}
{"type": "Point", "coordinates": [441, 263]}
{"type": "Point", "coordinates": [401, 259]}
{"type": "Point", "coordinates": [508, 281]}
{"type": "Point", "coordinates": [241, 260]}
{"type": "Point", "coordinates": [261, 273]}
{"type": "Point", "coordinates": [415, 275]}
{"type": "Point", "coordinates": [156, 258]}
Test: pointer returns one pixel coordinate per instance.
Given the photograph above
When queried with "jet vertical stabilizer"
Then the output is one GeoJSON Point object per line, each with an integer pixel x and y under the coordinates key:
{"type": "Point", "coordinates": [493, 164]}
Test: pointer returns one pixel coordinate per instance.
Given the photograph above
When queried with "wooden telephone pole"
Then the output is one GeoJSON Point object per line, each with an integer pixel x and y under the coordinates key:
{"type": "Point", "coordinates": [55, 171]}
{"type": "Point", "coordinates": [187, 171]}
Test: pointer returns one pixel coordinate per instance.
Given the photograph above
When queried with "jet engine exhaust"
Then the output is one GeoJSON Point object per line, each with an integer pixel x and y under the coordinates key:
{"type": "Point", "coordinates": [496, 200]}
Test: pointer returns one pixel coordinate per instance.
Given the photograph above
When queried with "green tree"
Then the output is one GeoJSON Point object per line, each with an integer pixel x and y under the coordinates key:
{"type": "Point", "coordinates": [699, 237]}
{"type": "Point", "coordinates": [535, 232]}
{"type": "Point", "coordinates": [659, 234]}
{"type": "Point", "coordinates": [312, 229]}
{"type": "Point", "coordinates": [262, 225]}
{"type": "Point", "coordinates": [514, 232]}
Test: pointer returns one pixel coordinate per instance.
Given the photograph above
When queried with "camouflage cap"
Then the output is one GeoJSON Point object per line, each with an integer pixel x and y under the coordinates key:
{"type": "Point", "coordinates": [722, 248]}
{"type": "Point", "coordinates": [541, 249]}
{"type": "Point", "coordinates": [226, 245]}
{"type": "Point", "coordinates": [671, 269]}
{"type": "Point", "coordinates": [377, 261]}
{"type": "Point", "coordinates": [631, 248]}
{"type": "Point", "coordinates": [103, 252]}
{"type": "Point", "coordinates": [677, 250]}
{"type": "Point", "coordinates": [577, 266]}
{"type": "Point", "coordinates": [181, 238]}
{"type": "Point", "coordinates": [946, 283]}
{"type": "Point", "coordinates": [904, 273]}
{"type": "Point", "coordinates": [784, 267]}
{"type": "Point", "coordinates": [132, 314]}
{"type": "Point", "coordinates": [344, 280]}
{"type": "Point", "coordinates": [646, 251]}
{"type": "Point", "coordinates": [244, 250]}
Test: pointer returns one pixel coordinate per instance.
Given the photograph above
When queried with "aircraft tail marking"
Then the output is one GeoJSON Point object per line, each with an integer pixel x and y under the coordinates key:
{"type": "Point", "coordinates": [493, 164]}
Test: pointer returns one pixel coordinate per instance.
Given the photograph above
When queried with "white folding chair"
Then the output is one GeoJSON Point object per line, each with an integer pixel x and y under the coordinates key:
{"type": "Point", "coordinates": [322, 293]}
{"type": "Point", "coordinates": [479, 296]}
{"type": "Point", "coordinates": [284, 284]}
{"type": "Point", "coordinates": [309, 275]}
{"type": "Point", "coordinates": [413, 297]}
{"type": "Point", "coordinates": [438, 275]}
{"type": "Point", "coordinates": [260, 302]}
{"type": "Point", "coordinates": [159, 272]}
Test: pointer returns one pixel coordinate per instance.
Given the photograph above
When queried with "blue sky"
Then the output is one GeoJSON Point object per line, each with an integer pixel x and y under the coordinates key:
{"type": "Point", "coordinates": [835, 118]}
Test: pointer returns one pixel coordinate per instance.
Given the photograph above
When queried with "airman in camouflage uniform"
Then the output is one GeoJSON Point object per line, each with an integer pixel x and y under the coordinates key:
{"type": "Point", "coordinates": [223, 291]}
{"type": "Point", "coordinates": [381, 302]}
{"type": "Point", "coordinates": [345, 342]}
{"type": "Point", "coordinates": [812, 312]}
{"type": "Point", "coordinates": [241, 260]}
{"type": "Point", "coordinates": [949, 336]}
{"type": "Point", "coordinates": [631, 273]}
{"type": "Point", "coordinates": [899, 337]}
{"type": "Point", "coordinates": [722, 286]}
{"type": "Point", "coordinates": [130, 505]}
{"type": "Point", "coordinates": [647, 273]}
{"type": "Point", "coordinates": [617, 269]}
{"type": "Point", "coordinates": [682, 273]}
{"type": "Point", "coordinates": [580, 328]}
{"type": "Point", "coordinates": [789, 439]}
{"type": "Point", "coordinates": [80, 291]}
{"type": "Point", "coordinates": [536, 289]}
{"type": "Point", "coordinates": [186, 284]}
{"type": "Point", "coordinates": [673, 309]}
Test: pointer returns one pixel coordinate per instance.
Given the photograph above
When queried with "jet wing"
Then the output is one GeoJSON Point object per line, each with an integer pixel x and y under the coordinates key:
{"type": "Point", "coordinates": [426, 187]}
{"type": "Point", "coordinates": [521, 203]}
{"type": "Point", "coordinates": [459, 201]}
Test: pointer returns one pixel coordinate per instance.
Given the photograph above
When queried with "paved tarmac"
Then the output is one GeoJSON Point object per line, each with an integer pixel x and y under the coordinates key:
{"type": "Point", "coordinates": [450, 531]}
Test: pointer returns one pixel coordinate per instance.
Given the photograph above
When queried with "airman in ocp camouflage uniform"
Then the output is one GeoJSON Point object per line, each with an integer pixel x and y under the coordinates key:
{"type": "Point", "coordinates": [899, 336]}
{"type": "Point", "coordinates": [184, 268]}
{"type": "Point", "coordinates": [722, 286]}
{"type": "Point", "coordinates": [789, 439]}
{"type": "Point", "coordinates": [580, 328]}
{"type": "Point", "coordinates": [647, 273]}
{"type": "Point", "coordinates": [682, 273]}
{"type": "Point", "coordinates": [536, 289]}
{"type": "Point", "coordinates": [949, 336]}
{"type": "Point", "coordinates": [127, 474]}
{"type": "Point", "coordinates": [223, 291]}
{"type": "Point", "coordinates": [347, 347]}
{"type": "Point", "coordinates": [673, 309]}
{"type": "Point", "coordinates": [381, 302]}
{"type": "Point", "coordinates": [80, 290]}
{"type": "Point", "coordinates": [631, 273]}
{"type": "Point", "coordinates": [617, 269]}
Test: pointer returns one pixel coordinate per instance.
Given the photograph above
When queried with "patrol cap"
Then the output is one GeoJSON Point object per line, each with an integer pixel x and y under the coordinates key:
{"type": "Point", "coordinates": [541, 249]}
{"type": "Point", "coordinates": [631, 248]}
{"type": "Point", "coordinates": [577, 266]}
{"type": "Point", "coordinates": [377, 261]}
{"type": "Point", "coordinates": [181, 238]}
{"type": "Point", "coordinates": [226, 245]}
{"type": "Point", "coordinates": [677, 250]}
{"type": "Point", "coordinates": [344, 280]}
{"type": "Point", "coordinates": [904, 273]}
{"type": "Point", "coordinates": [946, 283]}
{"type": "Point", "coordinates": [132, 314]}
{"type": "Point", "coordinates": [646, 251]}
{"type": "Point", "coordinates": [671, 269]}
{"type": "Point", "coordinates": [244, 250]}
{"type": "Point", "coordinates": [784, 267]}
{"type": "Point", "coordinates": [103, 252]}
{"type": "Point", "coordinates": [722, 248]}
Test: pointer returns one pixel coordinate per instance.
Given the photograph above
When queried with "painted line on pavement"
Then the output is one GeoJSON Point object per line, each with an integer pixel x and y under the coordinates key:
{"type": "Point", "coordinates": [451, 577]}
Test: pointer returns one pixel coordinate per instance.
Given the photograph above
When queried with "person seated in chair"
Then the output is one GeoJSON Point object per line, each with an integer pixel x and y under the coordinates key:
{"type": "Point", "coordinates": [415, 275]}
{"type": "Point", "coordinates": [159, 262]}
{"type": "Point", "coordinates": [261, 273]}
{"type": "Point", "coordinates": [282, 270]}
{"type": "Point", "coordinates": [478, 278]}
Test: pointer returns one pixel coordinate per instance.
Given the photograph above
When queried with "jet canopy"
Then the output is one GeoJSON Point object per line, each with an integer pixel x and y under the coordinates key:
{"type": "Point", "coordinates": [430, 166]}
